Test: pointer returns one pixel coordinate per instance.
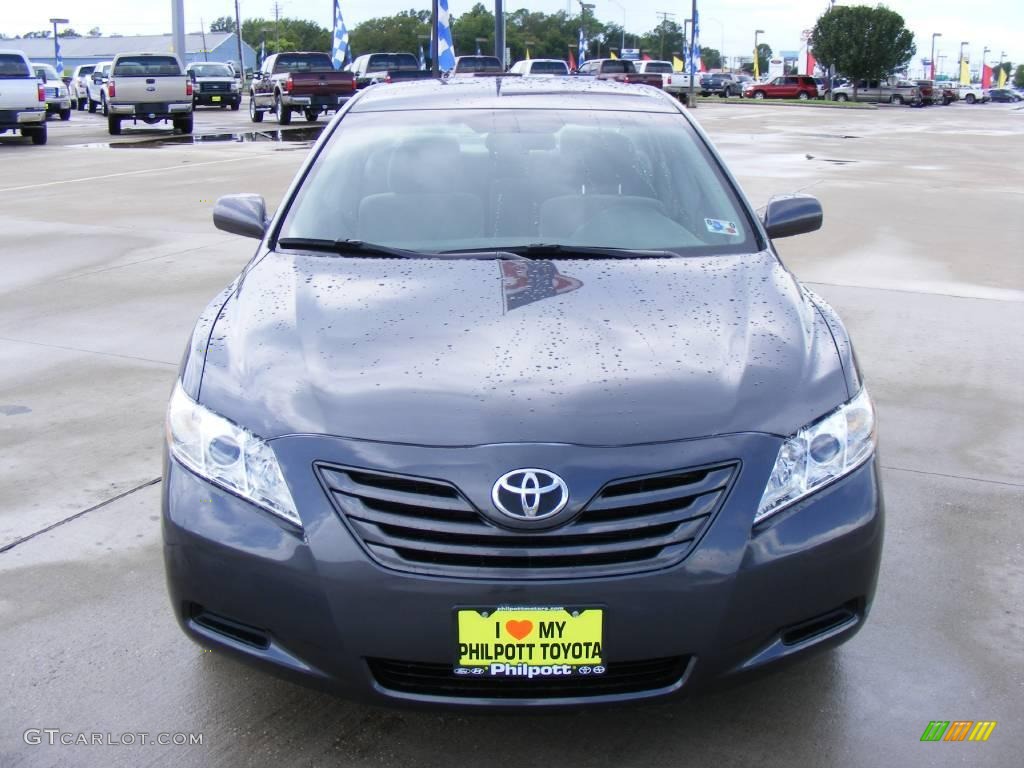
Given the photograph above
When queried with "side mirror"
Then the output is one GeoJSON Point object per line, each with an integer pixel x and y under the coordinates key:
{"type": "Point", "coordinates": [244, 215]}
{"type": "Point", "coordinates": [257, 75]}
{"type": "Point", "coordinates": [192, 75]}
{"type": "Point", "coordinates": [792, 215]}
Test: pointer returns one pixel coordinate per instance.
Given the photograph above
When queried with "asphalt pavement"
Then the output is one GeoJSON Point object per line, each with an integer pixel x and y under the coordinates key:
{"type": "Point", "coordinates": [107, 255]}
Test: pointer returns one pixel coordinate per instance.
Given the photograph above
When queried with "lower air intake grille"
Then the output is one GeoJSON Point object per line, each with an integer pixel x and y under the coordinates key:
{"type": "Point", "coordinates": [428, 526]}
{"type": "Point", "coordinates": [439, 680]}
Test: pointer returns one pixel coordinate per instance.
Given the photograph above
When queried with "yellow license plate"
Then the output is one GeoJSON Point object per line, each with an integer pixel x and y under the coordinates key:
{"type": "Point", "coordinates": [530, 642]}
{"type": "Point", "coordinates": [215, 98]}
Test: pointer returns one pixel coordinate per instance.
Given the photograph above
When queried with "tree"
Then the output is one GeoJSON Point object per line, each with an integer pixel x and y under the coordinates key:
{"type": "Point", "coordinates": [95, 32]}
{"type": "Point", "coordinates": [401, 33]}
{"type": "Point", "coordinates": [1018, 76]}
{"type": "Point", "coordinates": [38, 34]}
{"type": "Point", "coordinates": [223, 24]}
{"type": "Point", "coordinates": [711, 57]}
{"type": "Point", "coordinates": [69, 32]}
{"type": "Point", "coordinates": [295, 35]}
{"type": "Point", "coordinates": [861, 42]}
{"type": "Point", "coordinates": [764, 55]}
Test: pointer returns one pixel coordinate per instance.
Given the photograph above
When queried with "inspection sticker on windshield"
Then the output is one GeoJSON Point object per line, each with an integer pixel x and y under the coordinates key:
{"type": "Point", "coordinates": [530, 642]}
{"type": "Point", "coordinates": [721, 227]}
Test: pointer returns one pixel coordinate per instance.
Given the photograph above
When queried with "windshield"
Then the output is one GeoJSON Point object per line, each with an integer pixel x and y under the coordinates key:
{"type": "Point", "coordinates": [45, 69]}
{"type": "Point", "coordinates": [439, 180]}
{"type": "Point", "coordinates": [12, 66]}
{"type": "Point", "coordinates": [212, 70]}
{"type": "Point", "coordinates": [146, 66]}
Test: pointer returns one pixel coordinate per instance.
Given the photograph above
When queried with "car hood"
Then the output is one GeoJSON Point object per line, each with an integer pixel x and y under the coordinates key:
{"type": "Point", "coordinates": [470, 352]}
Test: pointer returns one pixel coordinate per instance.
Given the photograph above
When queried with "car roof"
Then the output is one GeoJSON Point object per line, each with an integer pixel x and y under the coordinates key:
{"type": "Point", "coordinates": [515, 92]}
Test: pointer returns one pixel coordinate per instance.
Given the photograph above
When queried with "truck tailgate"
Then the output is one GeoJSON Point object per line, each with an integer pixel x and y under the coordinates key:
{"type": "Point", "coordinates": [322, 84]}
{"type": "Point", "coordinates": [163, 89]}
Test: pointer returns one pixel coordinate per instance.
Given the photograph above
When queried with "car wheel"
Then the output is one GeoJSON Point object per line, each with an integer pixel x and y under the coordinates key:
{"type": "Point", "coordinates": [803, 96]}
{"type": "Point", "coordinates": [38, 135]}
{"type": "Point", "coordinates": [65, 114]}
{"type": "Point", "coordinates": [254, 114]}
{"type": "Point", "coordinates": [284, 114]}
{"type": "Point", "coordinates": [92, 106]}
{"type": "Point", "coordinates": [311, 116]}
{"type": "Point", "coordinates": [113, 125]}
{"type": "Point", "coordinates": [970, 98]}
{"type": "Point", "coordinates": [841, 97]}
{"type": "Point", "coordinates": [758, 94]}
{"type": "Point", "coordinates": [106, 110]}
{"type": "Point", "coordinates": [895, 99]}
{"type": "Point", "coordinates": [235, 105]}
{"type": "Point", "coordinates": [80, 106]}
{"type": "Point", "coordinates": [184, 124]}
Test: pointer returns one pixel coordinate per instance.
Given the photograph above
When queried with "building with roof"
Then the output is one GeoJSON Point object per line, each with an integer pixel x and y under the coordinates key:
{"type": "Point", "coordinates": [213, 46]}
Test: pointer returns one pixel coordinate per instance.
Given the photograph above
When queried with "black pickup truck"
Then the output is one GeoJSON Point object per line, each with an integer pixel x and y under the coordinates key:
{"type": "Point", "coordinates": [372, 68]}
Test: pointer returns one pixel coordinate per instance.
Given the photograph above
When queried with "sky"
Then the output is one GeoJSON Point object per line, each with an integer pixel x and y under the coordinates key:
{"type": "Point", "coordinates": [726, 24]}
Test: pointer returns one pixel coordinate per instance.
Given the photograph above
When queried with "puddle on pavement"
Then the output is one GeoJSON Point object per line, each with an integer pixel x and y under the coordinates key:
{"type": "Point", "coordinates": [300, 136]}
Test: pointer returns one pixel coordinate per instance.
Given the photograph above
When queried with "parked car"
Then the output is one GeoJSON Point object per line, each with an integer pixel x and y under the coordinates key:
{"type": "Point", "coordinates": [215, 85]}
{"type": "Point", "coordinates": [58, 102]}
{"type": "Point", "coordinates": [652, 65]}
{"type": "Point", "coordinates": [972, 94]}
{"type": "Point", "coordinates": [297, 81]}
{"type": "Point", "coordinates": [373, 68]}
{"type": "Point", "coordinates": [724, 84]}
{"type": "Point", "coordinates": [22, 98]}
{"type": "Point", "coordinates": [151, 87]}
{"type": "Point", "coordinates": [801, 87]}
{"type": "Point", "coordinates": [644, 462]}
{"type": "Point", "coordinates": [933, 92]}
{"type": "Point", "coordinates": [477, 65]}
{"type": "Point", "coordinates": [620, 70]}
{"type": "Point", "coordinates": [534, 67]}
{"type": "Point", "coordinates": [678, 83]}
{"type": "Point", "coordinates": [79, 87]}
{"type": "Point", "coordinates": [892, 91]}
{"type": "Point", "coordinates": [1004, 95]}
{"type": "Point", "coordinates": [96, 95]}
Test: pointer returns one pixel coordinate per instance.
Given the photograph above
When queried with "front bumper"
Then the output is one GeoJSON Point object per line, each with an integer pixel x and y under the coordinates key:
{"type": "Point", "coordinates": [317, 608]}
{"type": "Point", "coordinates": [217, 99]}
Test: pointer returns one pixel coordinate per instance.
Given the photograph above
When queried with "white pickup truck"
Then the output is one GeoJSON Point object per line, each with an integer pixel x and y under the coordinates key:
{"type": "Point", "coordinates": [22, 98]}
{"type": "Point", "coordinates": [151, 87]}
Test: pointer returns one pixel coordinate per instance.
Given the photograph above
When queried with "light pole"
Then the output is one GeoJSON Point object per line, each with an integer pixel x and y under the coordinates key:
{"type": "Point", "coordinates": [757, 58]}
{"type": "Point", "coordinates": [584, 7]}
{"type": "Point", "coordinates": [934, 35]}
{"type": "Point", "coordinates": [435, 42]}
{"type": "Point", "coordinates": [499, 32]}
{"type": "Point", "coordinates": [622, 8]}
{"type": "Point", "coordinates": [59, 66]}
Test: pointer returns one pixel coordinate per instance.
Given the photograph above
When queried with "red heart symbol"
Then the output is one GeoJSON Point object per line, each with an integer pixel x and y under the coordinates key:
{"type": "Point", "coordinates": [519, 629]}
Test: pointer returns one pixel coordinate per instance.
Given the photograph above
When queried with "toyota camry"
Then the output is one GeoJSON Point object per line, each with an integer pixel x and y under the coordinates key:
{"type": "Point", "coordinates": [516, 405]}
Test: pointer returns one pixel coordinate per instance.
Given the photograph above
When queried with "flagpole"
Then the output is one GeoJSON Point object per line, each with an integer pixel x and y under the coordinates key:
{"type": "Point", "coordinates": [434, 42]}
{"type": "Point", "coordinates": [691, 97]}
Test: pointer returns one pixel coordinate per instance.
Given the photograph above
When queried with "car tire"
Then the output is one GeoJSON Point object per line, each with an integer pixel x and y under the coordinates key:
{"type": "Point", "coordinates": [970, 98]}
{"type": "Point", "coordinates": [284, 114]}
{"type": "Point", "coordinates": [65, 114]}
{"type": "Point", "coordinates": [92, 106]}
{"type": "Point", "coordinates": [37, 134]}
{"type": "Point", "coordinates": [802, 96]}
{"type": "Point", "coordinates": [311, 116]}
{"type": "Point", "coordinates": [759, 94]}
{"type": "Point", "coordinates": [254, 114]}
{"type": "Point", "coordinates": [113, 125]}
{"type": "Point", "coordinates": [80, 105]}
{"type": "Point", "coordinates": [896, 99]}
{"type": "Point", "coordinates": [106, 109]}
{"type": "Point", "coordinates": [184, 124]}
{"type": "Point", "coordinates": [235, 105]}
{"type": "Point", "coordinates": [842, 97]}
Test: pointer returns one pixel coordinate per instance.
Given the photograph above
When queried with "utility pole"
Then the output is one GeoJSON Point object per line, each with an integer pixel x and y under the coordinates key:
{"type": "Point", "coordinates": [238, 32]}
{"type": "Point", "coordinates": [665, 16]}
{"type": "Point", "coordinates": [178, 30]}
{"type": "Point", "coordinates": [934, 35]}
{"type": "Point", "coordinates": [202, 31]}
{"type": "Point", "coordinates": [277, 27]}
{"type": "Point", "coordinates": [499, 32]}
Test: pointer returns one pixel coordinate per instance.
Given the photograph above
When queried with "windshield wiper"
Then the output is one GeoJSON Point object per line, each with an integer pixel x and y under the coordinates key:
{"type": "Point", "coordinates": [586, 252]}
{"type": "Point", "coordinates": [352, 247]}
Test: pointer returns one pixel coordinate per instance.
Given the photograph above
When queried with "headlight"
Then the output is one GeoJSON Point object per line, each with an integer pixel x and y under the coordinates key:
{"type": "Point", "coordinates": [236, 86]}
{"type": "Point", "coordinates": [831, 447]}
{"type": "Point", "coordinates": [225, 454]}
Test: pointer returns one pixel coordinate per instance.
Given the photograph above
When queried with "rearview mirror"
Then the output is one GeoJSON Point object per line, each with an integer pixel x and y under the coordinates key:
{"type": "Point", "coordinates": [792, 215]}
{"type": "Point", "coordinates": [244, 215]}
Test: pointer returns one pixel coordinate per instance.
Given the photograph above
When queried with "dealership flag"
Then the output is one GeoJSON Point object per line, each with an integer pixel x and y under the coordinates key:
{"type": "Point", "coordinates": [423, 58]}
{"type": "Point", "coordinates": [60, 57]}
{"type": "Point", "coordinates": [965, 73]}
{"type": "Point", "coordinates": [582, 43]}
{"type": "Point", "coordinates": [695, 44]}
{"type": "Point", "coordinates": [445, 49]}
{"type": "Point", "coordinates": [986, 76]}
{"type": "Point", "coordinates": [572, 61]}
{"type": "Point", "coordinates": [1002, 75]}
{"type": "Point", "coordinates": [678, 65]}
{"type": "Point", "coordinates": [339, 52]}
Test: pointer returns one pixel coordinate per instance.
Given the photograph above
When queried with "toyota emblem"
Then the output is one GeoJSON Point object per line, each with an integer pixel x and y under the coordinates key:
{"type": "Point", "coordinates": [531, 494]}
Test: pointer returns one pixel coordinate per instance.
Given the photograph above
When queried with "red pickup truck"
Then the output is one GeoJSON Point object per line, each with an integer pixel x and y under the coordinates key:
{"type": "Point", "coordinates": [621, 70]}
{"type": "Point", "coordinates": [298, 82]}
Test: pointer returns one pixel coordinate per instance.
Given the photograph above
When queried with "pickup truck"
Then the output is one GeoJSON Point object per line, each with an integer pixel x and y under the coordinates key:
{"type": "Point", "coordinates": [22, 98]}
{"type": "Point", "coordinates": [621, 70]}
{"type": "Point", "coordinates": [58, 102]}
{"type": "Point", "coordinates": [891, 91]}
{"type": "Point", "coordinates": [79, 85]}
{"type": "Point", "coordinates": [373, 68]}
{"type": "Point", "coordinates": [476, 65]}
{"type": "Point", "coordinates": [723, 84]}
{"type": "Point", "coordinates": [214, 84]}
{"type": "Point", "coordinates": [298, 82]}
{"type": "Point", "coordinates": [972, 94]}
{"type": "Point", "coordinates": [151, 87]}
{"type": "Point", "coordinates": [95, 86]}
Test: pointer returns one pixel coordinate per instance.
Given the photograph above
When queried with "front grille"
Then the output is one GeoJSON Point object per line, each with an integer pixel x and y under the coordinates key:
{"type": "Point", "coordinates": [51, 93]}
{"type": "Point", "coordinates": [439, 680]}
{"type": "Point", "coordinates": [429, 527]}
{"type": "Point", "coordinates": [214, 87]}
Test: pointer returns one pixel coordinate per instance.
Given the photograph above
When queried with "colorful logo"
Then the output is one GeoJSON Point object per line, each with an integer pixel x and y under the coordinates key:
{"type": "Point", "coordinates": [958, 730]}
